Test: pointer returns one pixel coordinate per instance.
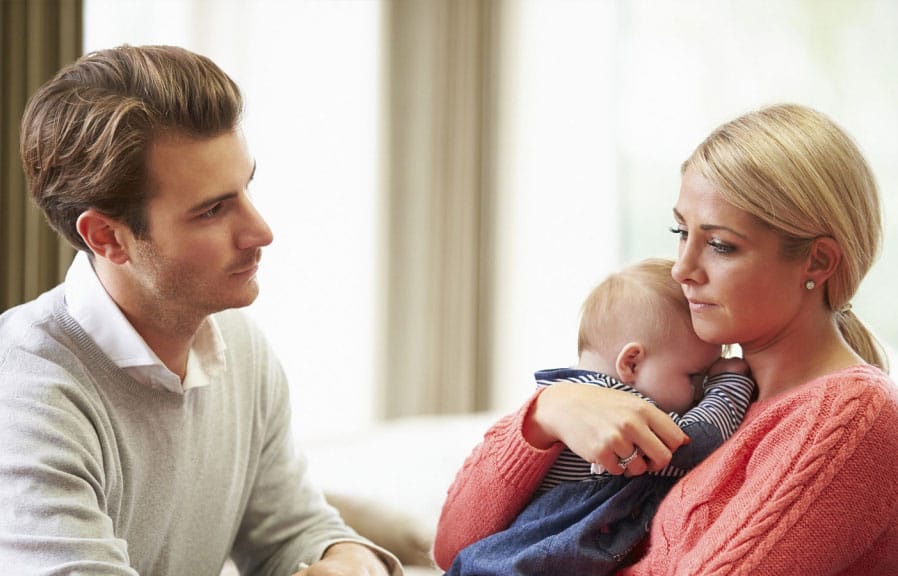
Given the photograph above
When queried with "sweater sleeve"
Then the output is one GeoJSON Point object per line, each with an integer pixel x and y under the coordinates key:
{"type": "Point", "coordinates": [807, 485]}
{"type": "Point", "coordinates": [53, 508]}
{"type": "Point", "coordinates": [287, 520]}
{"type": "Point", "coordinates": [493, 485]}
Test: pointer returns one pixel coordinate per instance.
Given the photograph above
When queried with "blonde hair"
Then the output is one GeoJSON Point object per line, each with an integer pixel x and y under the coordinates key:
{"type": "Point", "coordinates": [799, 173]}
{"type": "Point", "coordinates": [641, 302]}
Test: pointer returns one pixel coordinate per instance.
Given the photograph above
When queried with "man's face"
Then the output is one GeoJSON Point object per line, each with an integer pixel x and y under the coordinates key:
{"type": "Point", "coordinates": [205, 236]}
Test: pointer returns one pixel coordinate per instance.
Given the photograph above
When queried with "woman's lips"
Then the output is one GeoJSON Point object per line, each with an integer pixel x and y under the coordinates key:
{"type": "Point", "coordinates": [699, 306]}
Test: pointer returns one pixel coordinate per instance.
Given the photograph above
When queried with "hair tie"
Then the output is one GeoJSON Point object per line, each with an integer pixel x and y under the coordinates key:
{"type": "Point", "coordinates": [845, 309]}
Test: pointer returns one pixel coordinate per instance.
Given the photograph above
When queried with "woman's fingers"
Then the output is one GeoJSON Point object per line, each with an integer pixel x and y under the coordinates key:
{"type": "Point", "coordinates": [659, 439]}
{"type": "Point", "coordinates": [604, 426]}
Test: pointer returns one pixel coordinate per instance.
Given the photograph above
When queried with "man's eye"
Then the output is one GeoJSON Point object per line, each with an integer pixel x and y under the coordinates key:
{"type": "Point", "coordinates": [211, 212]}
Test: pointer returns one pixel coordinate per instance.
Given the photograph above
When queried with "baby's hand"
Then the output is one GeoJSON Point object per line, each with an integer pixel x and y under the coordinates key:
{"type": "Point", "coordinates": [732, 365]}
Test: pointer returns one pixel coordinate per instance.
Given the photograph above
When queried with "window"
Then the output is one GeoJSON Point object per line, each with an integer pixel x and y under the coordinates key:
{"type": "Point", "coordinates": [601, 103]}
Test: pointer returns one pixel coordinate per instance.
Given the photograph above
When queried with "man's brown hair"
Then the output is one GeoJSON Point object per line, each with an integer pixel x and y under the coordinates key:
{"type": "Point", "coordinates": [86, 132]}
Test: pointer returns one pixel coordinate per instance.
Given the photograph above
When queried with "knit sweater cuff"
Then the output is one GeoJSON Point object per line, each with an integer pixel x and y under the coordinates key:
{"type": "Point", "coordinates": [521, 463]}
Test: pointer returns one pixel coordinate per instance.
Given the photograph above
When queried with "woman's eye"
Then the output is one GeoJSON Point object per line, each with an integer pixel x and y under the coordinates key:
{"type": "Point", "coordinates": [721, 247]}
{"type": "Point", "coordinates": [681, 232]}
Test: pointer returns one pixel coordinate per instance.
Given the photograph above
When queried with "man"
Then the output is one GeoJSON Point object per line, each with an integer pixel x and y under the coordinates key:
{"type": "Point", "coordinates": [145, 424]}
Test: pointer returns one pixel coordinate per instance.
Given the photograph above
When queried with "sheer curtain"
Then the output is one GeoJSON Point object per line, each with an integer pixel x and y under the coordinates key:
{"type": "Point", "coordinates": [447, 179]}
{"type": "Point", "coordinates": [441, 84]}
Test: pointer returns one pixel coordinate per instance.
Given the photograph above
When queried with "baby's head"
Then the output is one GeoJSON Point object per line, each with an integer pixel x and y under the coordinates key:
{"type": "Point", "coordinates": [635, 326]}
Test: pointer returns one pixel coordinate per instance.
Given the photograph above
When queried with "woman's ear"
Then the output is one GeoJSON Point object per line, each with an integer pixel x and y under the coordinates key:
{"type": "Point", "coordinates": [823, 259]}
{"type": "Point", "coordinates": [102, 235]}
{"type": "Point", "coordinates": [628, 361]}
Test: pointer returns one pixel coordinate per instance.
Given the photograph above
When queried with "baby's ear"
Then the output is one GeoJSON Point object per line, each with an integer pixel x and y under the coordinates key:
{"type": "Point", "coordinates": [631, 355]}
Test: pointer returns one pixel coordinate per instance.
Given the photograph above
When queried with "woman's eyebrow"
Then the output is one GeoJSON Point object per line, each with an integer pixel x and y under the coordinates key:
{"type": "Point", "coordinates": [711, 227]}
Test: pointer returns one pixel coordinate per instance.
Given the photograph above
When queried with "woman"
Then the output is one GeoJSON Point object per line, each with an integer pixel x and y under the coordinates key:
{"type": "Point", "coordinates": [778, 221]}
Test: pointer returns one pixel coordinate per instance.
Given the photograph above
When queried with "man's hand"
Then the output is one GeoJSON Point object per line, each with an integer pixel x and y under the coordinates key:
{"type": "Point", "coordinates": [347, 559]}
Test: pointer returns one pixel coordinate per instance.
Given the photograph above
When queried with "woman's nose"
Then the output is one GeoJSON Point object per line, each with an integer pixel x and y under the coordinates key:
{"type": "Point", "coordinates": [685, 269]}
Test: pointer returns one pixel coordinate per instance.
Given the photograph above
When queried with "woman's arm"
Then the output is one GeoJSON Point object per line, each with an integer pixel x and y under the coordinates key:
{"type": "Point", "coordinates": [501, 474]}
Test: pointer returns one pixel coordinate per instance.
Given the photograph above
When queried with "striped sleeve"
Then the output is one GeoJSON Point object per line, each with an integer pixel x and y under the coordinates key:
{"type": "Point", "coordinates": [726, 399]}
{"type": "Point", "coordinates": [714, 419]}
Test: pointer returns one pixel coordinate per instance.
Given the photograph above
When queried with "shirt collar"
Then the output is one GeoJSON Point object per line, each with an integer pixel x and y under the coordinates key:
{"type": "Point", "coordinates": [92, 307]}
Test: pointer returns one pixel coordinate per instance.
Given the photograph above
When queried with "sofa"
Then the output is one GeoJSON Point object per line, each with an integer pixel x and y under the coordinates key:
{"type": "Point", "coordinates": [389, 481]}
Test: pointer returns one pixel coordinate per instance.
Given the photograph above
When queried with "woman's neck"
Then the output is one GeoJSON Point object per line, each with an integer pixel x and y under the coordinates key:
{"type": "Point", "coordinates": [799, 357]}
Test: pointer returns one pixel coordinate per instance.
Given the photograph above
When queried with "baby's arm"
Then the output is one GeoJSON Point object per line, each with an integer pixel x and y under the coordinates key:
{"type": "Point", "coordinates": [732, 365]}
{"type": "Point", "coordinates": [727, 394]}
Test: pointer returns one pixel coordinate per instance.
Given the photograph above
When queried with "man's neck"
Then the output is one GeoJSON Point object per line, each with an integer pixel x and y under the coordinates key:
{"type": "Point", "coordinates": [168, 332]}
{"type": "Point", "coordinates": [171, 345]}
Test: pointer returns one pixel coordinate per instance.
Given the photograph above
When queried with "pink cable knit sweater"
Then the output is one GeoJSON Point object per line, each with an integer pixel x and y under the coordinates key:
{"type": "Point", "coordinates": [807, 485]}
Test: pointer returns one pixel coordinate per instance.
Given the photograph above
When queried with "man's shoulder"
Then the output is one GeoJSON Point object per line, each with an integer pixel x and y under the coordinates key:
{"type": "Point", "coordinates": [31, 326]}
{"type": "Point", "coordinates": [28, 313]}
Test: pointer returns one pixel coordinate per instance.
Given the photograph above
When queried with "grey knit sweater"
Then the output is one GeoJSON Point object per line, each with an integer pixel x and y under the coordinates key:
{"type": "Point", "coordinates": [102, 475]}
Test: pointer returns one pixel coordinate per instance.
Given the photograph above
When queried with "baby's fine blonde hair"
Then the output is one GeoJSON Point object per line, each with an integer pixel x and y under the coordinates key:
{"type": "Point", "coordinates": [641, 302]}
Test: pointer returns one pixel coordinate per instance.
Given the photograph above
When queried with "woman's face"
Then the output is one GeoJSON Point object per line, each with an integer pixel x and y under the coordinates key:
{"type": "Point", "coordinates": [740, 289]}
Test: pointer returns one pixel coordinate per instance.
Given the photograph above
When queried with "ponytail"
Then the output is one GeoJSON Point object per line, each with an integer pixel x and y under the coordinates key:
{"type": "Point", "coordinates": [861, 339]}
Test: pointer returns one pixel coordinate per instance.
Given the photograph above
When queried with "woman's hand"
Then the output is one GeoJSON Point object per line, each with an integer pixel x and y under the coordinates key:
{"type": "Point", "coordinates": [604, 426]}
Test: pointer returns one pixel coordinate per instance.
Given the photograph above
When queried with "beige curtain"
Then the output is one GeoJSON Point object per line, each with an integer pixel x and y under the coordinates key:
{"type": "Point", "coordinates": [438, 187]}
{"type": "Point", "coordinates": [37, 37]}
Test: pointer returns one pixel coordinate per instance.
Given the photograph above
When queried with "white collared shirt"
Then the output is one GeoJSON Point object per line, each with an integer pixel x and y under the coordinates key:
{"type": "Point", "coordinates": [92, 307]}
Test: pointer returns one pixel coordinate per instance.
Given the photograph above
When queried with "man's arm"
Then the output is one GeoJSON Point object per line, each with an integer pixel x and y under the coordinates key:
{"type": "Point", "coordinates": [287, 520]}
{"type": "Point", "coordinates": [52, 518]}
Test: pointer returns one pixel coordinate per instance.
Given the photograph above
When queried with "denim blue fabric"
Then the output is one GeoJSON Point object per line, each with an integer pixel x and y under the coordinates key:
{"type": "Point", "coordinates": [589, 526]}
{"type": "Point", "coordinates": [575, 528]}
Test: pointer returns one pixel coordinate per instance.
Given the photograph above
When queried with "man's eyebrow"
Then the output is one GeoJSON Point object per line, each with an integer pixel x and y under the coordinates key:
{"type": "Point", "coordinates": [210, 202]}
{"type": "Point", "coordinates": [710, 227]}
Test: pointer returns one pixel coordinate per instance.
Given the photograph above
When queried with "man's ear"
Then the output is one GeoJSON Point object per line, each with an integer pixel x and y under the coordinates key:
{"type": "Point", "coordinates": [823, 259]}
{"type": "Point", "coordinates": [103, 235]}
{"type": "Point", "coordinates": [628, 361]}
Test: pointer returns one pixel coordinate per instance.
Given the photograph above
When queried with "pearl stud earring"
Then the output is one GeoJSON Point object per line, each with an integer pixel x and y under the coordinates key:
{"type": "Point", "coordinates": [810, 284]}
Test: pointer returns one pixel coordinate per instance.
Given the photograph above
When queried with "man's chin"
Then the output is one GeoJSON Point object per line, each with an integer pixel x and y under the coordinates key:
{"type": "Point", "coordinates": [243, 300]}
{"type": "Point", "coordinates": [251, 293]}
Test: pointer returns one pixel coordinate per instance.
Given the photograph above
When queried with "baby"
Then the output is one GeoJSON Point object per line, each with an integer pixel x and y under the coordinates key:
{"type": "Point", "coordinates": [635, 335]}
